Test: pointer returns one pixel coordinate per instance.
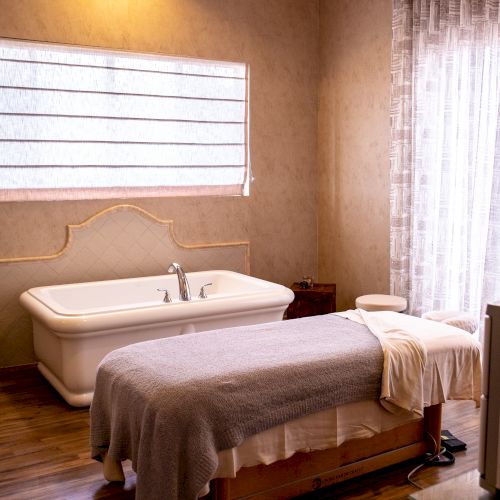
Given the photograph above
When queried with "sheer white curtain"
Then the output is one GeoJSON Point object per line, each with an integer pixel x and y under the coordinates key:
{"type": "Point", "coordinates": [445, 156]}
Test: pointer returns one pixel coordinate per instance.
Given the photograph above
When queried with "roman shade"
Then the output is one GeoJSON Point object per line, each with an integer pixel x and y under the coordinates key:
{"type": "Point", "coordinates": [83, 123]}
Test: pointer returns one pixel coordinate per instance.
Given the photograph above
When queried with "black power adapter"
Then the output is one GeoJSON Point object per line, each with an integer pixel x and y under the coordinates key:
{"type": "Point", "coordinates": [451, 443]}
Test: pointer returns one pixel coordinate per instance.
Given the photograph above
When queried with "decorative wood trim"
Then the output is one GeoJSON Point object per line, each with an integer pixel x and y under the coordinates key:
{"type": "Point", "coordinates": [168, 223]}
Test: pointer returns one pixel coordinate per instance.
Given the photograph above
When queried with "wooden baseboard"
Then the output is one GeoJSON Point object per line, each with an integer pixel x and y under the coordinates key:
{"type": "Point", "coordinates": [19, 369]}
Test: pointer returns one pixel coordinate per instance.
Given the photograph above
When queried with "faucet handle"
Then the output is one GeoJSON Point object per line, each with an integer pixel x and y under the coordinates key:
{"type": "Point", "coordinates": [167, 297]}
{"type": "Point", "coordinates": [203, 294]}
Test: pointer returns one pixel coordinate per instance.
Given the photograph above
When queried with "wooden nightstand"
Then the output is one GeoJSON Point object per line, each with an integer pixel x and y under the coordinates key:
{"type": "Point", "coordinates": [319, 299]}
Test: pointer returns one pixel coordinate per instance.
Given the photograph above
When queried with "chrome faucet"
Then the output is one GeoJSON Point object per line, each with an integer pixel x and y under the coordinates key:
{"type": "Point", "coordinates": [184, 292]}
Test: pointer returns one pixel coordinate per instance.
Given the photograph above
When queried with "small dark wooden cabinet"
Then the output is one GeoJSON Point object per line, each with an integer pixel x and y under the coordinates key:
{"type": "Point", "coordinates": [318, 299]}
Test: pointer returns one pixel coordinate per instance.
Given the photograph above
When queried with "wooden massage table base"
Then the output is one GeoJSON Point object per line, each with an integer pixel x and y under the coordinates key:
{"type": "Point", "coordinates": [305, 472]}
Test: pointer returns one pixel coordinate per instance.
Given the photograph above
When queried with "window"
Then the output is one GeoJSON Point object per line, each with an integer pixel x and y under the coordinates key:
{"type": "Point", "coordinates": [79, 123]}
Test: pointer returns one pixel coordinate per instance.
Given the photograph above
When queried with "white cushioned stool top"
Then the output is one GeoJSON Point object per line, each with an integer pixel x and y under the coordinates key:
{"type": "Point", "coordinates": [380, 302]}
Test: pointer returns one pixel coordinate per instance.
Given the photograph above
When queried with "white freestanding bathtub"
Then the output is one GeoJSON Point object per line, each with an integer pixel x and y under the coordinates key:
{"type": "Point", "coordinates": [76, 325]}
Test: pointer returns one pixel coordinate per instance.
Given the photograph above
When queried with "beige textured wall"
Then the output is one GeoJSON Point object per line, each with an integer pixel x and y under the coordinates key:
{"type": "Point", "coordinates": [279, 39]}
{"type": "Point", "coordinates": [353, 147]}
{"type": "Point", "coordinates": [298, 215]}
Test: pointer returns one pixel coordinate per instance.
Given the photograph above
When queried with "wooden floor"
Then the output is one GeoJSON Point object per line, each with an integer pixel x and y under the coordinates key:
{"type": "Point", "coordinates": [44, 453]}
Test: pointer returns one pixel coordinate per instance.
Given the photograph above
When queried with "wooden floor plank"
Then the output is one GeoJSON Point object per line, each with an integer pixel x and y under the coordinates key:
{"type": "Point", "coordinates": [44, 451]}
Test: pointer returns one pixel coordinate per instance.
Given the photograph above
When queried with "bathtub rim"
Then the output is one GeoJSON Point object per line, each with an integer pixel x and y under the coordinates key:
{"type": "Point", "coordinates": [42, 293]}
{"type": "Point", "coordinates": [270, 296]}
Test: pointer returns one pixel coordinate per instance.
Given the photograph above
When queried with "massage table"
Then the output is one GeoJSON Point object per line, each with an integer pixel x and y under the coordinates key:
{"type": "Point", "coordinates": [424, 364]}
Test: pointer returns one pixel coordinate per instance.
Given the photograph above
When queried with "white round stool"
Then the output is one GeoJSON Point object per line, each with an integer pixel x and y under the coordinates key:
{"type": "Point", "coordinates": [380, 302]}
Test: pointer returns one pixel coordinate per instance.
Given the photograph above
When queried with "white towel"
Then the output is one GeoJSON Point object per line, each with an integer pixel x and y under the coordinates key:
{"type": "Point", "coordinates": [413, 379]}
{"type": "Point", "coordinates": [405, 357]}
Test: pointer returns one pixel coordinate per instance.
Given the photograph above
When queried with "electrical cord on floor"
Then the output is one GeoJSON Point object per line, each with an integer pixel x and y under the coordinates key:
{"type": "Point", "coordinates": [439, 457]}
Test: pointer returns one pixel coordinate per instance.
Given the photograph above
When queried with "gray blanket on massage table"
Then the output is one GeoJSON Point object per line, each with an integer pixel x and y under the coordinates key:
{"type": "Point", "coordinates": [170, 405]}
